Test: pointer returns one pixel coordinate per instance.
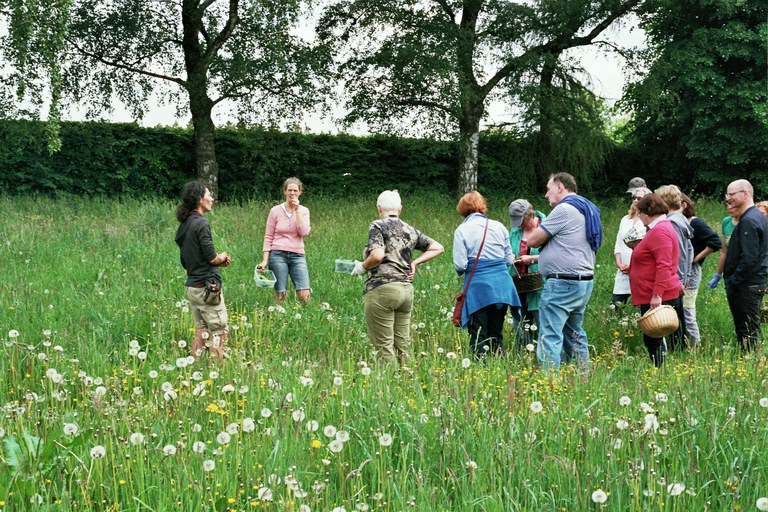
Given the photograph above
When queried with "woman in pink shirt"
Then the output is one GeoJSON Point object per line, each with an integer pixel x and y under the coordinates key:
{"type": "Point", "coordinates": [653, 268]}
{"type": "Point", "coordinates": [283, 249]}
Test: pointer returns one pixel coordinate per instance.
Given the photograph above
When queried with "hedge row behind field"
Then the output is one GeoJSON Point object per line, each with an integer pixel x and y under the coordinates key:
{"type": "Point", "coordinates": [125, 159]}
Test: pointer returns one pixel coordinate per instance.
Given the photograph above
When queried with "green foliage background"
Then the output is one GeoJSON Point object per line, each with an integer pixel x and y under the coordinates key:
{"type": "Point", "coordinates": [125, 160]}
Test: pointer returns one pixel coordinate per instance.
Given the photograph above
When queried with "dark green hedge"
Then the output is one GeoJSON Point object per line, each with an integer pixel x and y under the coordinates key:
{"type": "Point", "coordinates": [125, 159]}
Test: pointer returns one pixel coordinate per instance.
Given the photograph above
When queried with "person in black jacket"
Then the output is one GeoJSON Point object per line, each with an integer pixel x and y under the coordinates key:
{"type": "Point", "coordinates": [200, 260]}
{"type": "Point", "coordinates": [746, 264]}
{"type": "Point", "coordinates": [705, 241]}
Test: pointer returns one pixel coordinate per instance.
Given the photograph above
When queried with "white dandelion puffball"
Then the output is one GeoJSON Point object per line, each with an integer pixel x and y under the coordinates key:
{"type": "Point", "coordinates": [342, 435]}
{"type": "Point", "coordinates": [223, 438]}
{"type": "Point", "coordinates": [208, 465]}
{"type": "Point", "coordinates": [338, 381]}
{"type": "Point", "coordinates": [675, 489]}
{"type": "Point", "coordinates": [298, 415]}
{"type": "Point", "coordinates": [329, 431]}
{"type": "Point", "coordinates": [385, 440]}
{"type": "Point", "coordinates": [233, 428]}
{"type": "Point", "coordinates": [249, 425]}
{"type": "Point", "coordinates": [98, 452]}
{"type": "Point", "coordinates": [153, 374]}
{"type": "Point", "coordinates": [466, 363]}
{"type": "Point", "coordinates": [137, 438]}
{"type": "Point", "coordinates": [365, 370]}
{"type": "Point", "coordinates": [536, 407]}
{"type": "Point", "coordinates": [661, 397]}
{"type": "Point", "coordinates": [198, 447]}
{"type": "Point", "coordinates": [312, 426]}
{"type": "Point", "coordinates": [622, 425]}
{"type": "Point", "coordinates": [228, 388]}
{"type": "Point", "coordinates": [762, 504]}
{"type": "Point", "coordinates": [71, 429]}
{"type": "Point", "coordinates": [265, 494]}
{"type": "Point", "coordinates": [335, 446]}
{"type": "Point", "coordinates": [472, 465]}
{"type": "Point", "coordinates": [764, 402]}
{"type": "Point", "coordinates": [625, 401]}
{"type": "Point", "coordinates": [530, 437]}
{"type": "Point", "coordinates": [13, 333]}
{"type": "Point", "coordinates": [266, 412]}
{"type": "Point", "coordinates": [599, 497]}
{"type": "Point", "coordinates": [169, 450]}
{"type": "Point", "coordinates": [530, 348]}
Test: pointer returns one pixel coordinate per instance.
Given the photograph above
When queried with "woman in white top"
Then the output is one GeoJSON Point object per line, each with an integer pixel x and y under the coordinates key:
{"type": "Point", "coordinates": [622, 252]}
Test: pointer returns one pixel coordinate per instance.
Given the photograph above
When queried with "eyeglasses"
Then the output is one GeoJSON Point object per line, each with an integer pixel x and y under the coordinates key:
{"type": "Point", "coordinates": [729, 195]}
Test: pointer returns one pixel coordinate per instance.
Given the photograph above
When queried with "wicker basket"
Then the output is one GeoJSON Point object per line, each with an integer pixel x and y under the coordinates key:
{"type": "Point", "coordinates": [528, 282]}
{"type": "Point", "coordinates": [659, 322]}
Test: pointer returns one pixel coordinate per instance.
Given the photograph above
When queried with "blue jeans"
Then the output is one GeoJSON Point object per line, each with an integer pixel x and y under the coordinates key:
{"type": "Point", "coordinates": [561, 314]}
{"type": "Point", "coordinates": [283, 263]}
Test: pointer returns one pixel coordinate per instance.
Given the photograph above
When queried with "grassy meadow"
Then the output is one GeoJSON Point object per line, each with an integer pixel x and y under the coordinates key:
{"type": "Point", "coordinates": [101, 410]}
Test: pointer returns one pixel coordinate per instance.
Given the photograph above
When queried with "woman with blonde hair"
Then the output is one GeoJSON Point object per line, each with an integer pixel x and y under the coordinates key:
{"type": "Point", "coordinates": [630, 228]}
{"type": "Point", "coordinates": [283, 247]}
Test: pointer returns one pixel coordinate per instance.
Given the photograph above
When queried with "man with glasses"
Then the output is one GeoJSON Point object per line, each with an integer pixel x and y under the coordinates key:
{"type": "Point", "coordinates": [746, 263]}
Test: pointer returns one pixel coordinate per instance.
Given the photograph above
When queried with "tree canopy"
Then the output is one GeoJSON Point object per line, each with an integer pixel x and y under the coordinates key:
{"type": "Point", "coordinates": [436, 63]}
{"type": "Point", "coordinates": [701, 110]}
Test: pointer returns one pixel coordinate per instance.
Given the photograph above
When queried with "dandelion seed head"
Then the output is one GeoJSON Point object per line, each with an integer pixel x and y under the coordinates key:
{"type": "Point", "coordinates": [599, 497]}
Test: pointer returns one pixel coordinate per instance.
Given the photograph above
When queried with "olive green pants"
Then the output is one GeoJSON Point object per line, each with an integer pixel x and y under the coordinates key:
{"type": "Point", "coordinates": [388, 315]}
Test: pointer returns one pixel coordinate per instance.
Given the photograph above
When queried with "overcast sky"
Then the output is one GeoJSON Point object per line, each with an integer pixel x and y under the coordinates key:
{"type": "Point", "coordinates": [605, 70]}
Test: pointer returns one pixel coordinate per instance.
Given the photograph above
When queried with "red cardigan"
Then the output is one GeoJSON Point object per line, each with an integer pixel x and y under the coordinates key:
{"type": "Point", "coordinates": [653, 267]}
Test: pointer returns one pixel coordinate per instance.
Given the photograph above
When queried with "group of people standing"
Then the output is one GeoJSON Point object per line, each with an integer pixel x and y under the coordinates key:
{"type": "Point", "coordinates": [660, 248]}
{"type": "Point", "coordinates": [663, 267]}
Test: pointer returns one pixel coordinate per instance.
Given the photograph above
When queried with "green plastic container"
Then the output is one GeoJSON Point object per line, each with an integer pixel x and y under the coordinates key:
{"type": "Point", "coordinates": [344, 266]}
{"type": "Point", "coordinates": [264, 279]}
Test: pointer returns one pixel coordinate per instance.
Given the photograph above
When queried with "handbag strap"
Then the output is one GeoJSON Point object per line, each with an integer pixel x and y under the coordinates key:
{"type": "Point", "coordinates": [477, 258]}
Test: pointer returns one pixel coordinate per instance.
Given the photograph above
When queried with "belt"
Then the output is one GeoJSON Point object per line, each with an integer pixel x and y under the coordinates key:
{"type": "Point", "coordinates": [570, 277]}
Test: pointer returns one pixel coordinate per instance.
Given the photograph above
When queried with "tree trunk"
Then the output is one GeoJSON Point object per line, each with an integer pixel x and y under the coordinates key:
{"type": "Point", "coordinates": [469, 138]}
{"type": "Point", "coordinates": [200, 104]}
{"type": "Point", "coordinates": [545, 146]}
{"type": "Point", "coordinates": [205, 150]}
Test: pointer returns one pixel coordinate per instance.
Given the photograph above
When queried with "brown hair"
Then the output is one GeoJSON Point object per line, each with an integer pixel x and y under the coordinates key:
{"type": "Point", "coordinates": [471, 202]}
{"type": "Point", "coordinates": [689, 207]}
{"type": "Point", "coordinates": [293, 180]}
{"type": "Point", "coordinates": [652, 205]}
{"type": "Point", "coordinates": [568, 181]}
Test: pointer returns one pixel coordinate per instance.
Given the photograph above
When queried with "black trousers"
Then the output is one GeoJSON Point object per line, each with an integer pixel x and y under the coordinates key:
{"type": "Point", "coordinates": [744, 302]}
{"type": "Point", "coordinates": [485, 330]}
{"type": "Point", "coordinates": [677, 340]}
{"type": "Point", "coordinates": [657, 347]}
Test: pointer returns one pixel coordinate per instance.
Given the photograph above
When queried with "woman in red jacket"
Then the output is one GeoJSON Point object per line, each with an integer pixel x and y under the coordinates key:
{"type": "Point", "coordinates": [653, 269]}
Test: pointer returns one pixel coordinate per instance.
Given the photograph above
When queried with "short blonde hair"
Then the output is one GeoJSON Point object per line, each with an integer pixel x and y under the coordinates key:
{"type": "Point", "coordinates": [471, 202]}
{"type": "Point", "coordinates": [763, 207]}
{"type": "Point", "coordinates": [671, 195]}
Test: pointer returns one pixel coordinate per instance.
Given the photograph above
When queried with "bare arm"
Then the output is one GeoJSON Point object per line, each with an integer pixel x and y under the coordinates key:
{"type": "Point", "coordinates": [538, 238]}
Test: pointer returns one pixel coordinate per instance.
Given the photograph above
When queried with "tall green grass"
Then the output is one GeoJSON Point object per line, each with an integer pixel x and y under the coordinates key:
{"type": "Point", "coordinates": [92, 286]}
